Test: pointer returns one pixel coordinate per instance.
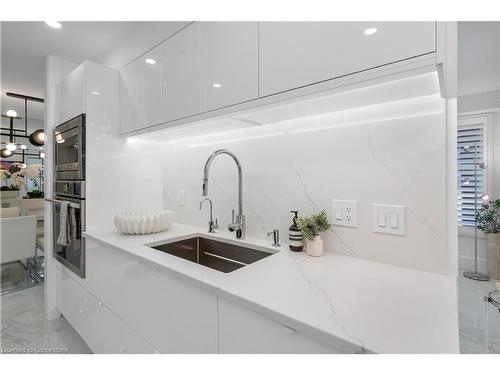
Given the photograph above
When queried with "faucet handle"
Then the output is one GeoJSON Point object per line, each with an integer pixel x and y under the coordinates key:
{"type": "Point", "coordinates": [276, 237]}
{"type": "Point", "coordinates": [216, 224]}
{"type": "Point", "coordinates": [232, 216]}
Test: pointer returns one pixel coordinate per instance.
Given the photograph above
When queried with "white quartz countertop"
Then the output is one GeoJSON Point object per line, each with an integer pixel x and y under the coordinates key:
{"type": "Point", "coordinates": [350, 303]}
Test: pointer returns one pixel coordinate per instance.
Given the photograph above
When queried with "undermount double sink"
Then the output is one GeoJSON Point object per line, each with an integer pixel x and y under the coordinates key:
{"type": "Point", "coordinates": [218, 255]}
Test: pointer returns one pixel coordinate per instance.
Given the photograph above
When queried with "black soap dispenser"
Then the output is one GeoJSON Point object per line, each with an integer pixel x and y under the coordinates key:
{"type": "Point", "coordinates": [295, 235]}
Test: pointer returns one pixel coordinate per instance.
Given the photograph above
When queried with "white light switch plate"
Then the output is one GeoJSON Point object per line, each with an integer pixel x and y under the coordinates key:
{"type": "Point", "coordinates": [344, 213]}
{"type": "Point", "coordinates": [388, 219]}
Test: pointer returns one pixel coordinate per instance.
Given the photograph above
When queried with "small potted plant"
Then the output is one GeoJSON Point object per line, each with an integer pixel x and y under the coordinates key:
{"type": "Point", "coordinates": [488, 220]}
{"type": "Point", "coordinates": [12, 181]}
{"type": "Point", "coordinates": [311, 227]}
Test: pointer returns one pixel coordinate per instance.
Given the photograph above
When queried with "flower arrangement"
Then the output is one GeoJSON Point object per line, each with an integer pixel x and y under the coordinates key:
{"type": "Point", "coordinates": [488, 217]}
{"type": "Point", "coordinates": [12, 179]}
{"type": "Point", "coordinates": [35, 172]}
{"type": "Point", "coordinates": [311, 226]}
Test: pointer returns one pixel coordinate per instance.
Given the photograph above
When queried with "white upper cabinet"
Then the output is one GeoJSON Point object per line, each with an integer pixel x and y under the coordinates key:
{"type": "Point", "coordinates": [229, 63]}
{"type": "Point", "coordinates": [182, 55]}
{"type": "Point", "coordinates": [71, 92]}
{"type": "Point", "coordinates": [296, 54]}
{"type": "Point", "coordinates": [209, 67]}
{"type": "Point", "coordinates": [141, 92]}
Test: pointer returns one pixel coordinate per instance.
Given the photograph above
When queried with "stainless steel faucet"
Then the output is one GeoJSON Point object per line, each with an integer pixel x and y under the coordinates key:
{"type": "Point", "coordinates": [212, 225]}
{"type": "Point", "coordinates": [237, 225]}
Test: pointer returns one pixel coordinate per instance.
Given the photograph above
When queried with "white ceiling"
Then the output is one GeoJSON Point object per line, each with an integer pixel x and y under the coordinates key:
{"type": "Point", "coordinates": [24, 46]}
{"type": "Point", "coordinates": [478, 57]}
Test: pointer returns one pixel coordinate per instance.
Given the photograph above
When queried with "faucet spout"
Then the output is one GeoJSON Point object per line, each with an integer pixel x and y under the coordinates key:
{"type": "Point", "coordinates": [239, 224]}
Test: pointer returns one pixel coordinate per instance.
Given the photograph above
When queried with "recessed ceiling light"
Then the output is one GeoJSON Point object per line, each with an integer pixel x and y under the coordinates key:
{"type": "Point", "coordinates": [150, 61]}
{"type": "Point", "coordinates": [216, 85]}
{"type": "Point", "coordinates": [23, 147]}
{"type": "Point", "coordinates": [11, 113]}
{"type": "Point", "coordinates": [54, 24]}
{"type": "Point", "coordinates": [371, 31]}
{"type": "Point", "coordinates": [95, 93]}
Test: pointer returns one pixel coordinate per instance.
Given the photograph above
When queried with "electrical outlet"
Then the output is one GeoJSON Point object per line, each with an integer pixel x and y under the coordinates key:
{"type": "Point", "coordinates": [181, 200]}
{"type": "Point", "coordinates": [344, 213]}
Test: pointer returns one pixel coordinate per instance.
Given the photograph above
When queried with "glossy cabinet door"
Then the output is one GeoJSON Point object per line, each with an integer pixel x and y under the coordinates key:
{"type": "Point", "coordinates": [182, 56]}
{"type": "Point", "coordinates": [141, 92]}
{"type": "Point", "coordinates": [173, 313]}
{"type": "Point", "coordinates": [242, 331]}
{"type": "Point", "coordinates": [297, 54]}
{"type": "Point", "coordinates": [229, 63]}
{"type": "Point", "coordinates": [71, 92]}
{"type": "Point", "coordinates": [99, 327]}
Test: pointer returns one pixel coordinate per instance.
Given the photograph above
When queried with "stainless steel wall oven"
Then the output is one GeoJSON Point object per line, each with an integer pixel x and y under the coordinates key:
{"type": "Point", "coordinates": [69, 153]}
{"type": "Point", "coordinates": [69, 187]}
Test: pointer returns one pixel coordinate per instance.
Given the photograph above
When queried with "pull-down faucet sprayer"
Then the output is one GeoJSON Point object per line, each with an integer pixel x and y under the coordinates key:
{"type": "Point", "coordinates": [237, 225]}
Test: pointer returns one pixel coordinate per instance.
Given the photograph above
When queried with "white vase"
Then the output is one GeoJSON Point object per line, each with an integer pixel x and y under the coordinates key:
{"type": "Point", "coordinates": [493, 255]}
{"type": "Point", "coordinates": [144, 222]}
{"type": "Point", "coordinates": [315, 247]}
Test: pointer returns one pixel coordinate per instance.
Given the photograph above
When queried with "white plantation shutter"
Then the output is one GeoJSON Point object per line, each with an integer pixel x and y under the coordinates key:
{"type": "Point", "coordinates": [471, 132]}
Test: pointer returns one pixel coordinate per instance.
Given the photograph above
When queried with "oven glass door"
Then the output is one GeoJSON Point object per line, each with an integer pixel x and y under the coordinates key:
{"type": "Point", "coordinates": [73, 254]}
{"type": "Point", "coordinates": [68, 153]}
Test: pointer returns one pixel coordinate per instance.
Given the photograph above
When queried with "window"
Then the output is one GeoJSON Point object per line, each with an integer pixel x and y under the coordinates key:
{"type": "Point", "coordinates": [471, 153]}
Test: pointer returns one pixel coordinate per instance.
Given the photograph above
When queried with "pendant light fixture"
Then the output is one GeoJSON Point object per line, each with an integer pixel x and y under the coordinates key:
{"type": "Point", "coordinates": [5, 153]}
{"type": "Point", "coordinates": [11, 146]}
{"type": "Point", "coordinates": [37, 138]}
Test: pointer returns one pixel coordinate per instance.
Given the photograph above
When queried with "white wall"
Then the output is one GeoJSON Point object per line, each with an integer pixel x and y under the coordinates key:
{"type": "Point", "coordinates": [482, 101]}
{"type": "Point", "coordinates": [290, 165]}
{"type": "Point", "coordinates": [478, 57]}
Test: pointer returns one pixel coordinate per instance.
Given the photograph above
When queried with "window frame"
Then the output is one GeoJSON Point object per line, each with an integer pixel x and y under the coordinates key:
{"type": "Point", "coordinates": [465, 120]}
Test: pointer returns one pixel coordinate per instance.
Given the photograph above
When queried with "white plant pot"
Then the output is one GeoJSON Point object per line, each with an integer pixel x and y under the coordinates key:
{"type": "Point", "coordinates": [315, 247]}
{"type": "Point", "coordinates": [493, 255]}
{"type": "Point", "coordinates": [33, 203]}
{"type": "Point", "coordinates": [10, 194]}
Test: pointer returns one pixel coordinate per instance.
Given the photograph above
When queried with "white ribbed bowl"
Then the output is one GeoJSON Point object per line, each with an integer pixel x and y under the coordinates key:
{"type": "Point", "coordinates": [144, 222]}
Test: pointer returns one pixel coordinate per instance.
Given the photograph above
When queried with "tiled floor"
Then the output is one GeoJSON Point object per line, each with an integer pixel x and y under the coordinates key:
{"type": "Point", "coordinates": [14, 276]}
{"type": "Point", "coordinates": [24, 328]}
{"type": "Point", "coordinates": [476, 317]}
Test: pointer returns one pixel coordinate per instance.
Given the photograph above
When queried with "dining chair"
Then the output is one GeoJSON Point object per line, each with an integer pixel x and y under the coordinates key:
{"type": "Point", "coordinates": [18, 242]}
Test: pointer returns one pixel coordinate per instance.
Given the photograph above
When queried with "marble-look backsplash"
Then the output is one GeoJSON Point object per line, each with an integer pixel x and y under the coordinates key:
{"type": "Point", "coordinates": [392, 153]}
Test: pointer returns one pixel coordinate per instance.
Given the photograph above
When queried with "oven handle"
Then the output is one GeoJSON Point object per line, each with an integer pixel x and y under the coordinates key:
{"type": "Point", "coordinates": [74, 205]}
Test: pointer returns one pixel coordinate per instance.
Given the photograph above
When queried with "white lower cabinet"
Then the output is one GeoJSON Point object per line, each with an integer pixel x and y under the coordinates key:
{"type": "Point", "coordinates": [101, 329]}
{"type": "Point", "coordinates": [242, 331]}
{"type": "Point", "coordinates": [173, 313]}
